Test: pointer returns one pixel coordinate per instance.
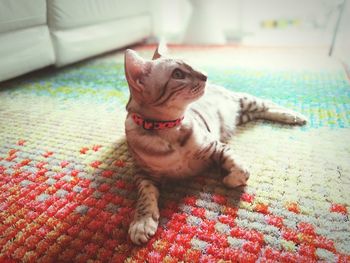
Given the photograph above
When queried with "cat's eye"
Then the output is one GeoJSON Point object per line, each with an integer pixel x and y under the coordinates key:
{"type": "Point", "coordinates": [178, 74]}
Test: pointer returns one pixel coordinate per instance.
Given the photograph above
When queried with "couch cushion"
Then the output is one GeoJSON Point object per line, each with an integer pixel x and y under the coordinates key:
{"type": "Point", "coordinates": [15, 15]}
{"type": "Point", "coordinates": [79, 43]}
{"type": "Point", "coordinates": [25, 50]}
{"type": "Point", "coordinates": [65, 14]}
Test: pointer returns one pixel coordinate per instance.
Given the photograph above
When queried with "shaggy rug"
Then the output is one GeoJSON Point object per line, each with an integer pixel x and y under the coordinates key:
{"type": "Point", "coordinates": [66, 187]}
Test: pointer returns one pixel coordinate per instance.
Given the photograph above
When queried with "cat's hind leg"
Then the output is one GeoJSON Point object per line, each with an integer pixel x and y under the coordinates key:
{"type": "Point", "coordinates": [145, 222]}
{"type": "Point", "coordinates": [252, 108]}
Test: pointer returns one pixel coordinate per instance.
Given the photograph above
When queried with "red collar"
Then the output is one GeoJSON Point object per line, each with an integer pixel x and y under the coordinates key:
{"type": "Point", "coordinates": [148, 124]}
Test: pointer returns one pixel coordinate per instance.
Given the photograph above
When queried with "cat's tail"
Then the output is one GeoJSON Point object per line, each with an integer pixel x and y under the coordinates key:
{"type": "Point", "coordinates": [252, 108]}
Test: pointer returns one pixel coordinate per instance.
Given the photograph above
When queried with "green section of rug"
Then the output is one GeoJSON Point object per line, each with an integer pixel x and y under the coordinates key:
{"type": "Point", "coordinates": [66, 189]}
{"type": "Point", "coordinates": [324, 96]}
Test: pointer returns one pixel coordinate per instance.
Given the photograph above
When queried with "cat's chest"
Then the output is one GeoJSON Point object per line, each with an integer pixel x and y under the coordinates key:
{"type": "Point", "coordinates": [173, 154]}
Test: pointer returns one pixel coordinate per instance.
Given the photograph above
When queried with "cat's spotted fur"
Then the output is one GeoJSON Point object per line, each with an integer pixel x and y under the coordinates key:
{"type": "Point", "coordinates": [167, 89]}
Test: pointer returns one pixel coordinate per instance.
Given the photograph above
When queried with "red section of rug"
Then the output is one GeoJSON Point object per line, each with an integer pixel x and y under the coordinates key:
{"type": "Point", "coordinates": [55, 218]}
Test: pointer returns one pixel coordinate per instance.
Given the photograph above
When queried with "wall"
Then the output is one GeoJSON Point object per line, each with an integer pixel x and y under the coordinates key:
{"type": "Point", "coordinates": [342, 44]}
{"type": "Point", "coordinates": [313, 20]}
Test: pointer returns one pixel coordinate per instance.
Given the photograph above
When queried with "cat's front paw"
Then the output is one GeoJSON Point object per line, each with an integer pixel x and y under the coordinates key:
{"type": "Point", "coordinates": [142, 229]}
{"type": "Point", "coordinates": [237, 177]}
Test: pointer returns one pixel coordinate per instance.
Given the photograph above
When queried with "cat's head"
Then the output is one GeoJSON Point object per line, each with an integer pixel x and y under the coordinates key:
{"type": "Point", "coordinates": [162, 86]}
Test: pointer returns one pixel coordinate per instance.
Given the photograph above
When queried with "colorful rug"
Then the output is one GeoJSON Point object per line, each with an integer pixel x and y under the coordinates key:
{"type": "Point", "coordinates": [66, 188]}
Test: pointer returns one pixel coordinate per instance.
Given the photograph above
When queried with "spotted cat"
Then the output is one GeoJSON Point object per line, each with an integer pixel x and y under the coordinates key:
{"type": "Point", "coordinates": [177, 125]}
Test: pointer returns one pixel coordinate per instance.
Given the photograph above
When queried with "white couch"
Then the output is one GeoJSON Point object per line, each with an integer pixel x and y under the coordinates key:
{"type": "Point", "coordinates": [38, 33]}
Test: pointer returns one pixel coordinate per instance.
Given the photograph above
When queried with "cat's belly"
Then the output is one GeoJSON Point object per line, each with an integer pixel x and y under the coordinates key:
{"type": "Point", "coordinates": [178, 164]}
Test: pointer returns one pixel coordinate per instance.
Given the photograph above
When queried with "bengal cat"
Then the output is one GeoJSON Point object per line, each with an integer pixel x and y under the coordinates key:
{"type": "Point", "coordinates": [177, 125]}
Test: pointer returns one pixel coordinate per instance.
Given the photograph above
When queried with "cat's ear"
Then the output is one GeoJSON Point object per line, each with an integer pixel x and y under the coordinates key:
{"type": "Point", "coordinates": [161, 50]}
{"type": "Point", "coordinates": [156, 54]}
{"type": "Point", "coordinates": [135, 68]}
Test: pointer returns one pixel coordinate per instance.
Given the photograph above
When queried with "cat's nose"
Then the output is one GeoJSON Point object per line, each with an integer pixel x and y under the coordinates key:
{"type": "Point", "coordinates": [202, 77]}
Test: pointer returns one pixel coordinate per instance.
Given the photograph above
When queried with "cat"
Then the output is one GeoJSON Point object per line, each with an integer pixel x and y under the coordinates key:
{"type": "Point", "coordinates": [177, 125]}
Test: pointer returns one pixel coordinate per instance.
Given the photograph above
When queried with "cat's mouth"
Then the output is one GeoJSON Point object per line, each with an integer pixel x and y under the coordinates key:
{"type": "Point", "coordinates": [196, 89]}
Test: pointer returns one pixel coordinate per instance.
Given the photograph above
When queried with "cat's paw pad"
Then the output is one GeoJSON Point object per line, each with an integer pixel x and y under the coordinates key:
{"type": "Point", "coordinates": [142, 229]}
{"type": "Point", "coordinates": [237, 177]}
